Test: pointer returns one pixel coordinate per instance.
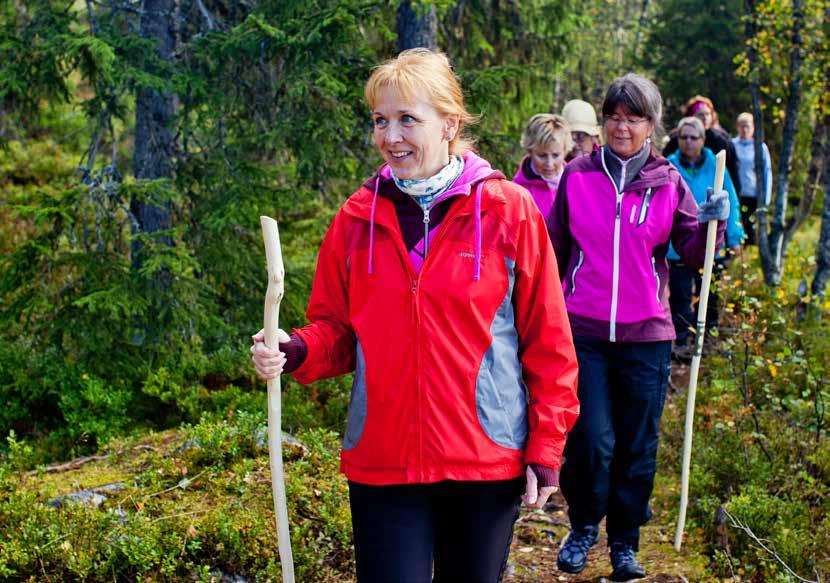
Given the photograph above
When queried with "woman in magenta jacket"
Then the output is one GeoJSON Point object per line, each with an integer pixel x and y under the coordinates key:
{"type": "Point", "coordinates": [615, 213]}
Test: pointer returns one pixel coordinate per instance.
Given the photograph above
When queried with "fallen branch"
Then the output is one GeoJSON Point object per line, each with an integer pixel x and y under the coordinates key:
{"type": "Point", "coordinates": [78, 462]}
{"type": "Point", "coordinates": [735, 523]}
{"type": "Point", "coordinates": [72, 465]}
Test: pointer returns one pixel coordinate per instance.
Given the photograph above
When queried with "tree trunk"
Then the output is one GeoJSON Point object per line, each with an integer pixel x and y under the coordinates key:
{"type": "Point", "coordinates": [641, 26]}
{"type": "Point", "coordinates": [818, 165]}
{"type": "Point", "coordinates": [417, 25]}
{"type": "Point", "coordinates": [153, 115]}
{"type": "Point", "coordinates": [771, 243]}
{"type": "Point", "coordinates": [819, 286]}
{"type": "Point", "coordinates": [767, 263]}
{"type": "Point", "coordinates": [788, 138]}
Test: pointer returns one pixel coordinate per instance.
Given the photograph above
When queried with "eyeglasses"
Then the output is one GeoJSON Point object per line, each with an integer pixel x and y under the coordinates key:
{"type": "Point", "coordinates": [689, 138]}
{"type": "Point", "coordinates": [616, 120]}
{"type": "Point", "coordinates": [579, 136]}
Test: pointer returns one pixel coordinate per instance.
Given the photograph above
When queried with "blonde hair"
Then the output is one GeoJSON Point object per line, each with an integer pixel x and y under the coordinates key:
{"type": "Point", "coordinates": [745, 117]}
{"type": "Point", "coordinates": [421, 73]}
{"type": "Point", "coordinates": [544, 130]}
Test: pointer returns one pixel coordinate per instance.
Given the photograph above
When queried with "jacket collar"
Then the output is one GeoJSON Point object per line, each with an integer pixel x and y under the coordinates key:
{"type": "Point", "coordinates": [656, 172]}
{"type": "Point", "coordinates": [359, 205]}
{"type": "Point", "coordinates": [527, 176]}
{"type": "Point", "coordinates": [364, 203]}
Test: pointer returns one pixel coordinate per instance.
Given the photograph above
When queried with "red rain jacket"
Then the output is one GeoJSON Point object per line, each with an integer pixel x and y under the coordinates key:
{"type": "Point", "coordinates": [455, 378]}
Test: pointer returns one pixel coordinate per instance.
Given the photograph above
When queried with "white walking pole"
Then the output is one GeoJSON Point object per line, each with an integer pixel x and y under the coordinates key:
{"type": "Point", "coordinates": [711, 237]}
{"type": "Point", "coordinates": [273, 297]}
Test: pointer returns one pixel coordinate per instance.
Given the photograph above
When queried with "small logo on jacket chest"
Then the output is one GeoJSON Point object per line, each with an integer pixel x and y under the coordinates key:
{"type": "Point", "coordinates": [466, 255]}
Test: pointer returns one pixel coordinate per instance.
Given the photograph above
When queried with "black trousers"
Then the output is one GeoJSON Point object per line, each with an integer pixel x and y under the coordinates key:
{"type": "Point", "coordinates": [463, 529]}
{"type": "Point", "coordinates": [684, 286]}
{"type": "Point", "coordinates": [611, 453]}
{"type": "Point", "coordinates": [748, 207]}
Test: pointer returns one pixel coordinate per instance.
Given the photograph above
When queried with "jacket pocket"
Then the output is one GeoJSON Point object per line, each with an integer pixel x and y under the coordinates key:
{"type": "Point", "coordinates": [576, 269]}
{"type": "Point", "coordinates": [356, 417]}
{"type": "Point", "coordinates": [644, 207]}
{"type": "Point", "coordinates": [501, 396]}
{"type": "Point", "coordinates": [501, 401]}
{"type": "Point", "coordinates": [656, 278]}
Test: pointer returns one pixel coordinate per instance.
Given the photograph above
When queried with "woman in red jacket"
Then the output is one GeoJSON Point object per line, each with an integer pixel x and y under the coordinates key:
{"type": "Point", "coordinates": [437, 285]}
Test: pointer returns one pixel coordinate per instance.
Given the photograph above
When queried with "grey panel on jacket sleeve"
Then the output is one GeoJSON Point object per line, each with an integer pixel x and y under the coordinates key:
{"type": "Point", "coordinates": [356, 418]}
{"type": "Point", "coordinates": [501, 396]}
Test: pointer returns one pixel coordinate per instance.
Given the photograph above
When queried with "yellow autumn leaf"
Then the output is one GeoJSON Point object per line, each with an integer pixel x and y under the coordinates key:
{"type": "Point", "coordinates": [773, 371]}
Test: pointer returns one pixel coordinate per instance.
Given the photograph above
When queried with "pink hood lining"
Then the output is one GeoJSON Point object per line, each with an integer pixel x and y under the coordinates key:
{"type": "Point", "coordinates": [476, 169]}
{"type": "Point", "coordinates": [525, 180]}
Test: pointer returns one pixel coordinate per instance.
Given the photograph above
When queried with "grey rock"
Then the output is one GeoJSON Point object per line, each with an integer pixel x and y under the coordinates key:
{"type": "Point", "coordinates": [190, 444]}
{"type": "Point", "coordinates": [291, 444]}
{"type": "Point", "coordinates": [92, 497]}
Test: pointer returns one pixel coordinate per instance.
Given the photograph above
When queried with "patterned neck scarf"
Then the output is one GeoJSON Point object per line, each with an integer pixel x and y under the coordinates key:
{"type": "Point", "coordinates": [425, 190]}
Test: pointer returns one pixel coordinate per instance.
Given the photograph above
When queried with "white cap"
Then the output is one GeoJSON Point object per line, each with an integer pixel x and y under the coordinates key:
{"type": "Point", "coordinates": [581, 117]}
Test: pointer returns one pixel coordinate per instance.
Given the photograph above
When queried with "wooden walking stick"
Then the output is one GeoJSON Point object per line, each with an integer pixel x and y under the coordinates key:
{"type": "Point", "coordinates": [711, 238]}
{"type": "Point", "coordinates": [273, 297]}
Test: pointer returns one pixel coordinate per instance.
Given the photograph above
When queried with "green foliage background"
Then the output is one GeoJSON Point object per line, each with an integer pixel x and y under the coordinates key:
{"type": "Point", "coordinates": [98, 355]}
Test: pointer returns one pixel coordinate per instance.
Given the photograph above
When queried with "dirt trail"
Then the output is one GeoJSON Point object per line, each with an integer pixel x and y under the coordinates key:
{"type": "Point", "coordinates": [538, 535]}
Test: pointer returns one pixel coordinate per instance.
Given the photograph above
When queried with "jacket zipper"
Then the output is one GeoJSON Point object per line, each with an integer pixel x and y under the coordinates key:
{"type": "Point", "coordinates": [644, 208]}
{"type": "Point", "coordinates": [573, 274]}
{"type": "Point", "coordinates": [615, 282]}
{"type": "Point", "coordinates": [418, 396]}
{"type": "Point", "coordinates": [656, 277]}
{"type": "Point", "coordinates": [416, 284]}
{"type": "Point", "coordinates": [426, 232]}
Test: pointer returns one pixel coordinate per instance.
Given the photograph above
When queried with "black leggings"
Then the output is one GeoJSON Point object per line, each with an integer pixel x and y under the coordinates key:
{"type": "Point", "coordinates": [464, 527]}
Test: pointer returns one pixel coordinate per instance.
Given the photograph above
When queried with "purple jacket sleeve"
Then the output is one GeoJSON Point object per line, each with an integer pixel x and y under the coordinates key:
{"type": "Point", "coordinates": [295, 351]}
{"type": "Point", "coordinates": [687, 234]}
{"type": "Point", "coordinates": [558, 228]}
{"type": "Point", "coordinates": [545, 476]}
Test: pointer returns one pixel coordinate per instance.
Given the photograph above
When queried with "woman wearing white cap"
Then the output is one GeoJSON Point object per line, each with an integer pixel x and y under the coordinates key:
{"type": "Point", "coordinates": [584, 127]}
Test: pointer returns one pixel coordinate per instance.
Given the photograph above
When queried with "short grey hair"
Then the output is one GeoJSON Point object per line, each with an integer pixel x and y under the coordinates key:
{"type": "Point", "coordinates": [695, 123]}
{"type": "Point", "coordinates": [638, 95]}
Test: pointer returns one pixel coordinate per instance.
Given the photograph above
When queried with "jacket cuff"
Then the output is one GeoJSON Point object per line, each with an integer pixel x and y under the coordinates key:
{"type": "Point", "coordinates": [295, 351]}
{"type": "Point", "coordinates": [546, 477]}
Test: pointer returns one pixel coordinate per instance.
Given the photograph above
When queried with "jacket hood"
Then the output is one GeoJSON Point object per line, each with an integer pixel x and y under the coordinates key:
{"type": "Point", "coordinates": [525, 176]}
{"type": "Point", "coordinates": [363, 204]}
{"type": "Point", "coordinates": [476, 169]}
{"type": "Point", "coordinates": [677, 158]}
{"type": "Point", "coordinates": [656, 172]}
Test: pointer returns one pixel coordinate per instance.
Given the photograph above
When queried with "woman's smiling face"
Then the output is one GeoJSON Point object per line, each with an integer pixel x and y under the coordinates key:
{"type": "Point", "coordinates": [411, 135]}
{"type": "Point", "coordinates": [548, 161]}
{"type": "Point", "coordinates": [626, 132]}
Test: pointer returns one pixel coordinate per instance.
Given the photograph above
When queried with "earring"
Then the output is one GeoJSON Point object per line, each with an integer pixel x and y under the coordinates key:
{"type": "Point", "coordinates": [449, 138]}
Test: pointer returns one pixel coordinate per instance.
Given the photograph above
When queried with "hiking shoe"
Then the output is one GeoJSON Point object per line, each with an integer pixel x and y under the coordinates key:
{"type": "Point", "coordinates": [573, 555]}
{"type": "Point", "coordinates": [625, 562]}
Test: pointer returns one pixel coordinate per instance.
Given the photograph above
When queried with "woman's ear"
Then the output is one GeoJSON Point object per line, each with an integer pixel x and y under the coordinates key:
{"type": "Point", "coordinates": [451, 125]}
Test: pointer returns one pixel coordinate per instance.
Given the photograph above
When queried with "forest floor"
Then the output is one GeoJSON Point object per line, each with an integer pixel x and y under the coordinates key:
{"type": "Point", "coordinates": [536, 542]}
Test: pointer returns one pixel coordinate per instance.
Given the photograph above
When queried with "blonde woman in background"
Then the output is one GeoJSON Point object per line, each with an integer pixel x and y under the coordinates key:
{"type": "Point", "coordinates": [546, 141]}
